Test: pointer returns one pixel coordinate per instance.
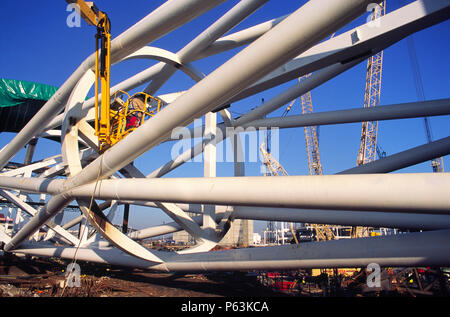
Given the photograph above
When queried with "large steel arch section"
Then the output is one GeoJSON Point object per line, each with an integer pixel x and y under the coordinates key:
{"type": "Point", "coordinates": [277, 53]}
{"type": "Point", "coordinates": [75, 127]}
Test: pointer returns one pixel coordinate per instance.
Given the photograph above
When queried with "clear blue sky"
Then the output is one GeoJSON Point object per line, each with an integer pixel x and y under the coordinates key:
{"type": "Point", "coordinates": [37, 45]}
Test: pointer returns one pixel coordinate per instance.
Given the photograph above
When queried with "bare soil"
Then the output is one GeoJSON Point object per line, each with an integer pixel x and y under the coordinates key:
{"type": "Point", "coordinates": [21, 277]}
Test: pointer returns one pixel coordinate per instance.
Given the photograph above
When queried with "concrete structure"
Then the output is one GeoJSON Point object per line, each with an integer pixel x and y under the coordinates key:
{"type": "Point", "coordinates": [240, 234]}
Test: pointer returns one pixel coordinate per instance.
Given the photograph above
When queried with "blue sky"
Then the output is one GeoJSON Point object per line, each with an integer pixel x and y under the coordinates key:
{"type": "Point", "coordinates": [37, 45]}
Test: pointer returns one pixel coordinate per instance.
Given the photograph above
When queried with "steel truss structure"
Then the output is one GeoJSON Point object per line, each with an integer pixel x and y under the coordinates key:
{"type": "Point", "coordinates": [276, 52]}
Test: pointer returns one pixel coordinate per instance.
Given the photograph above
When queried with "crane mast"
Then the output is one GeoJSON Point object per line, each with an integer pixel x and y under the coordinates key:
{"type": "Point", "coordinates": [368, 147]}
{"type": "Point", "coordinates": [311, 138]}
{"type": "Point", "coordinates": [274, 168]}
{"type": "Point", "coordinates": [323, 232]}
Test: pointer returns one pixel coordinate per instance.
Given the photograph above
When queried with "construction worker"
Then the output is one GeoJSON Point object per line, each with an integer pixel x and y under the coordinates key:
{"type": "Point", "coordinates": [136, 112]}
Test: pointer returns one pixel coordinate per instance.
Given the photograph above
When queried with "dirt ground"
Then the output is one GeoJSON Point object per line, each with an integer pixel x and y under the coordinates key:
{"type": "Point", "coordinates": [46, 278]}
{"type": "Point", "coordinates": [35, 277]}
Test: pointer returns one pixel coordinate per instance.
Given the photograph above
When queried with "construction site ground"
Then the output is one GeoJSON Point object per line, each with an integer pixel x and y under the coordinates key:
{"type": "Point", "coordinates": [37, 277]}
{"type": "Point", "coordinates": [21, 277]}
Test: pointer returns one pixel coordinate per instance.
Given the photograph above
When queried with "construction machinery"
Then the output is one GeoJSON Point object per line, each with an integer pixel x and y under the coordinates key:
{"type": "Point", "coordinates": [127, 115]}
{"type": "Point", "coordinates": [271, 56]}
{"type": "Point", "coordinates": [368, 146]}
{"type": "Point", "coordinates": [311, 138]}
{"type": "Point", "coordinates": [322, 232]}
{"type": "Point", "coordinates": [274, 168]}
{"type": "Point", "coordinates": [111, 123]}
{"type": "Point", "coordinates": [93, 16]}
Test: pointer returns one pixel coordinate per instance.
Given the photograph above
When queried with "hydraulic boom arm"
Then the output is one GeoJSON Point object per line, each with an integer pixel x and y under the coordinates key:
{"type": "Point", "coordinates": [93, 16]}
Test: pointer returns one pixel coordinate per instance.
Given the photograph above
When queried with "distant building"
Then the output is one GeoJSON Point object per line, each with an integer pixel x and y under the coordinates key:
{"type": "Point", "coordinates": [257, 239]}
{"type": "Point", "coordinates": [182, 237]}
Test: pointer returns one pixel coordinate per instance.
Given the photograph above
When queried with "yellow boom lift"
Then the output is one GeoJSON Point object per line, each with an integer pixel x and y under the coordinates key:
{"type": "Point", "coordinates": [112, 122]}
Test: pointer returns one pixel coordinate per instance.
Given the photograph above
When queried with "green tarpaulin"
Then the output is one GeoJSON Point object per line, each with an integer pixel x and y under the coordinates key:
{"type": "Point", "coordinates": [14, 92]}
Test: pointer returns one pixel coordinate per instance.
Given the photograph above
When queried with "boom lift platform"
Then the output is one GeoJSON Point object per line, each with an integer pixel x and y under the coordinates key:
{"type": "Point", "coordinates": [127, 115]}
{"type": "Point", "coordinates": [114, 119]}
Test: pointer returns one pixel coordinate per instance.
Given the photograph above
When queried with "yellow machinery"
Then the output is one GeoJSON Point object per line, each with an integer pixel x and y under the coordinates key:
{"type": "Point", "coordinates": [368, 146]}
{"type": "Point", "coordinates": [311, 138]}
{"type": "Point", "coordinates": [367, 151]}
{"type": "Point", "coordinates": [323, 232]}
{"type": "Point", "coordinates": [90, 13]}
{"type": "Point", "coordinates": [110, 123]}
{"type": "Point", "coordinates": [276, 169]}
{"type": "Point", "coordinates": [127, 115]}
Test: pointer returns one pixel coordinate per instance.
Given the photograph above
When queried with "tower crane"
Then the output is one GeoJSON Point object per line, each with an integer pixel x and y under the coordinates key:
{"type": "Point", "coordinates": [323, 232]}
{"type": "Point", "coordinates": [274, 168]}
{"type": "Point", "coordinates": [311, 138]}
{"type": "Point", "coordinates": [368, 146]}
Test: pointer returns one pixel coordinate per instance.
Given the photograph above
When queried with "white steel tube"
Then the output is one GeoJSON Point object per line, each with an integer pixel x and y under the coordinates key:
{"type": "Point", "coordinates": [389, 112]}
{"type": "Point", "coordinates": [332, 217]}
{"type": "Point", "coordinates": [430, 248]}
{"type": "Point", "coordinates": [417, 193]}
{"type": "Point", "coordinates": [414, 193]}
{"type": "Point", "coordinates": [239, 38]}
{"type": "Point", "coordinates": [285, 41]}
{"type": "Point", "coordinates": [344, 217]}
{"type": "Point", "coordinates": [168, 17]}
{"type": "Point", "coordinates": [416, 155]}
{"type": "Point", "coordinates": [274, 103]}
{"type": "Point", "coordinates": [381, 219]}
{"type": "Point", "coordinates": [55, 204]}
{"type": "Point", "coordinates": [188, 53]}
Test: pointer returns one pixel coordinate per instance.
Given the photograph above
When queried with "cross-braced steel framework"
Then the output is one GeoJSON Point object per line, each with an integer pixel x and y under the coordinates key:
{"type": "Point", "coordinates": [276, 52]}
{"type": "Point", "coordinates": [368, 148]}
